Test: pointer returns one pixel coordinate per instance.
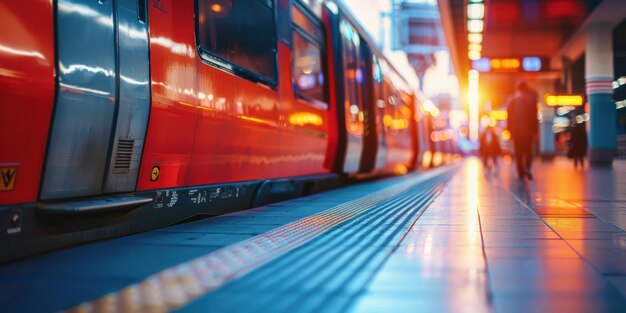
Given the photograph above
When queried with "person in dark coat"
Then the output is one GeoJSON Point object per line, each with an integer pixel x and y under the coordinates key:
{"type": "Point", "coordinates": [489, 148]}
{"type": "Point", "coordinates": [578, 143]}
{"type": "Point", "coordinates": [523, 124]}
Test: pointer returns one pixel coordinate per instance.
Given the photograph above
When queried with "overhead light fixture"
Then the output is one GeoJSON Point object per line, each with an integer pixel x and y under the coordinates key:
{"type": "Point", "coordinates": [475, 26]}
{"type": "Point", "coordinates": [475, 47]}
{"type": "Point", "coordinates": [474, 55]}
{"type": "Point", "coordinates": [476, 1]}
{"type": "Point", "coordinates": [475, 38]}
{"type": "Point", "coordinates": [475, 10]}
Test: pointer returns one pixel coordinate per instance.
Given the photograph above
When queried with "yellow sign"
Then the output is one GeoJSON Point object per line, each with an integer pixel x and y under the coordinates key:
{"type": "Point", "coordinates": [156, 171]}
{"type": "Point", "coordinates": [499, 115]}
{"type": "Point", "coordinates": [7, 178]}
{"type": "Point", "coordinates": [505, 64]}
{"type": "Point", "coordinates": [571, 100]}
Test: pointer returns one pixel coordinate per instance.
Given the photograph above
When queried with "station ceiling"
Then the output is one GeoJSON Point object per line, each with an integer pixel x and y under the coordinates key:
{"type": "Point", "coordinates": [513, 29]}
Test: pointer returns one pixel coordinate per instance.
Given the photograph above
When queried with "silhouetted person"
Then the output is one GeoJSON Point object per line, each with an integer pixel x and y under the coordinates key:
{"type": "Point", "coordinates": [523, 124]}
{"type": "Point", "coordinates": [578, 143]}
{"type": "Point", "coordinates": [489, 148]}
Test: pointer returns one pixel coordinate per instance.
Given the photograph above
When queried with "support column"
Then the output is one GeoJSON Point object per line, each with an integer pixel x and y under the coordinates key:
{"type": "Point", "coordinates": [602, 111]}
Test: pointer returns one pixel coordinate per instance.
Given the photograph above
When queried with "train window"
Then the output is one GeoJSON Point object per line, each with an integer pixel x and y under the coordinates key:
{"type": "Point", "coordinates": [353, 69]}
{"type": "Point", "coordinates": [304, 22]}
{"type": "Point", "coordinates": [239, 35]}
{"type": "Point", "coordinates": [308, 58]}
{"type": "Point", "coordinates": [377, 70]}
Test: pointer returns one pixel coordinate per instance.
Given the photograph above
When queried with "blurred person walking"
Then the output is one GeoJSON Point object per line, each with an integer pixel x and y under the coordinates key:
{"type": "Point", "coordinates": [523, 124]}
{"type": "Point", "coordinates": [489, 148]}
{"type": "Point", "coordinates": [578, 143]}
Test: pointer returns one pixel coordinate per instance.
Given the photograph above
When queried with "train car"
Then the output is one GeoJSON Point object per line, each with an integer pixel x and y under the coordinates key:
{"type": "Point", "coordinates": [126, 115]}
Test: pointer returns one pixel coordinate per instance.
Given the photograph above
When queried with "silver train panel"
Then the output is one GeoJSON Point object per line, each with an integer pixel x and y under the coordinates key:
{"type": "Point", "coordinates": [133, 99]}
{"type": "Point", "coordinates": [85, 104]}
{"type": "Point", "coordinates": [84, 139]}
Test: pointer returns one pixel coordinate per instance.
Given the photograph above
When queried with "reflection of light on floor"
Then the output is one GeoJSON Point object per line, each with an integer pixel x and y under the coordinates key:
{"type": "Point", "coordinates": [428, 246]}
{"type": "Point", "coordinates": [473, 168]}
{"type": "Point", "coordinates": [473, 254]}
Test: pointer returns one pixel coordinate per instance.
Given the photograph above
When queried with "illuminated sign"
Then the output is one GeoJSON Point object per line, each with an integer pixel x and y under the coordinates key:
{"type": "Point", "coordinates": [558, 100]}
{"type": "Point", "coordinates": [508, 64]}
{"type": "Point", "coordinates": [526, 64]}
{"type": "Point", "coordinates": [531, 64]}
{"type": "Point", "coordinates": [498, 115]}
{"type": "Point", "coordinates": [482, 65]}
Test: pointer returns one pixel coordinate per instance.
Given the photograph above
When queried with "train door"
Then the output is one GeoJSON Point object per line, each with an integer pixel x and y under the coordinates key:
{"type": "Point", "coordinates": [369, 124]}
{"type": "Point", "coordinates": [102, 101]}
{"type": "Point", "coordinates": [353, 104]}
{"type": "Point", "coordinates": [381, 105]}
{"type": "Point", "coordinates": [374, 145]}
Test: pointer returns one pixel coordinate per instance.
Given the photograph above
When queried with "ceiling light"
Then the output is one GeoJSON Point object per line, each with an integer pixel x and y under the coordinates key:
{"type": "Point", "coordinates": [475, 47]}
{"type": "Point", "coordinates": [473, 55]}
{"type": "Point", "coordinates": [475, 26]}
{"type": "Point", "coordinates": [475, 38]}
{"type": "Point", "coordinates": [475, 10]}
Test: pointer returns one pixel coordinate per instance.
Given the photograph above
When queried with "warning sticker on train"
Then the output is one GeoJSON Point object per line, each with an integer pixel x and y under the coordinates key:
{"type": "Point", "coordinates": [154, 175]}
{"type": "Point", "coordinates": [7, 178]}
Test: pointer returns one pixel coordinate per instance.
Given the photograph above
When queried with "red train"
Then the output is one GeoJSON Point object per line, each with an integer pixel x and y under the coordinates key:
{"type": "Point", "coordinates": [120, 116]}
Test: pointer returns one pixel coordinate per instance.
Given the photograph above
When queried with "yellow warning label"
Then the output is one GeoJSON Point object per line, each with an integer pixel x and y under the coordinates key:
{"type": "Point", "coordinates": [154, 175]}
{"type": "Point", "coordinates": [7, 178]}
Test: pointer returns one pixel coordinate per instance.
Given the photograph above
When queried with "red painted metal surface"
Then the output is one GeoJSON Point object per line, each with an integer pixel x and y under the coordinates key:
{"type": "Point", "coordinates": [333, 130]}
{"type": "Point", "coordinates": [206, 125]}
{"type": "Point", "coordinates": [210, 126]}
{"type": "Point", "coordinates": [26, 93]}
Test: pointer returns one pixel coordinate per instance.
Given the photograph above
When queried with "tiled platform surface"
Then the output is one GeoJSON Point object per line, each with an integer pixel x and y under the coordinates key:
{"type": "Point", "coordinates": [493, 243]}
{"type": "Point", "coordinates": [63, 279]}
{"type": "Point", "coordinates": [482, 242]}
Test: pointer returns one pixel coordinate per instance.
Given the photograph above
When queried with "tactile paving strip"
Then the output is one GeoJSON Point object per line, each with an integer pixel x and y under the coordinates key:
{"type": "Point", "coordinates": [177, 286]}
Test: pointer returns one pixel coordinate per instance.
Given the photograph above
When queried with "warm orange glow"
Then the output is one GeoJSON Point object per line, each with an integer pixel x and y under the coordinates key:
{"type": "Point", "coordinates": [400, 169]}
{"type": "Point", "coordinates": [505, 64]}
{"type": "Point", "coordinates": [442, 135]}
{"type": "Point", "coordinates": [437, 159]}
{"type": "Point", "coordinates": [434, 136]}
{"type": "Point", "coordinates": [404, 110]}
{"type": "Point", "coordinates": [499, 115]}
{"type": "Point", "coordinates": [426, 159]}
{"type": "Point", "coordinates": [216, 8]}
{"type": "Point", "coordinates": [305, 118]}
{"type": "Point", "coordinates": [570, 100]}
{"type": "Point", "coordinates": [506, 135]}
{"type": "Point", "coordinates": [395, 123]}
{"type": "Point", "coordinates": [256, 120]}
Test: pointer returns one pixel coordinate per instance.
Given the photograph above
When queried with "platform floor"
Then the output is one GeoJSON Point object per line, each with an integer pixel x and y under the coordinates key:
{"type": "Point", "coordinates": [455, 239]}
